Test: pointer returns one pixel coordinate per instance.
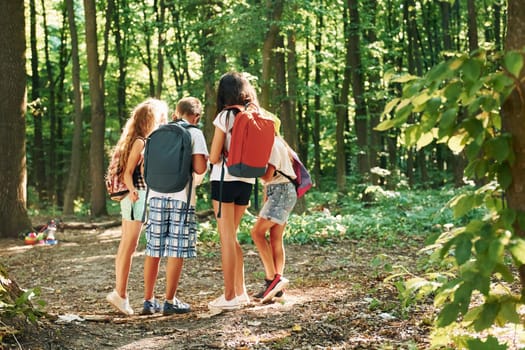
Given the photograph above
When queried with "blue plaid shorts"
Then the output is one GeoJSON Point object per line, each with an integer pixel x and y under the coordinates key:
{"type": "Point", "coordinates": [167, 233]}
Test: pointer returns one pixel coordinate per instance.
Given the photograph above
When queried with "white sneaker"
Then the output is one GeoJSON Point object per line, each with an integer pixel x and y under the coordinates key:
{"type": "Point", "coordinates": [222, 304]}
{"type": "Point", "coordinates": [243, 299]}
{"type": "Point", "coordinates": [119, 303]}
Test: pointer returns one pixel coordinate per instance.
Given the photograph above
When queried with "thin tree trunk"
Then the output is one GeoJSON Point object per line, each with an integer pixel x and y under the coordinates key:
{"type": "Point", "coordinates": [161, 17]}
{"type": "Point", "coordinates": [51, 157]}
{"type": "Point", "coordinates": [341, 106]}
{"type": "Point", "coordinates": [38, 154]}
{"type": "Point", "coordinates": [361, 118]}
{"type": "Point", "coordinates": [316, 135]}
{"type": "Point", "coordinates": [76, 149]}
{"type": "Point", "coordinates": [96, 92]}
{"type": "Point", "coordinates": [13, 212]}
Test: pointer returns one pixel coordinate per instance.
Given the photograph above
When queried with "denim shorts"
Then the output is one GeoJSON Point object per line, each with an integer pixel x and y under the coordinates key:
{"type": "Point", "coordinates": [168, 234]}
{"type": "Point", "coordinates": [133, 211]}
{"type": "Point", "coordinates": [280, 201]}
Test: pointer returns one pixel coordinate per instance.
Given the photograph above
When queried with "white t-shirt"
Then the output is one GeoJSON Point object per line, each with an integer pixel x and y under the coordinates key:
{"type": "Point", "coordinates": [220, 122]}
{"type": "Point", "coordinates": [280, 159]}
{"type": "Point", "coordinates": [198, 144]}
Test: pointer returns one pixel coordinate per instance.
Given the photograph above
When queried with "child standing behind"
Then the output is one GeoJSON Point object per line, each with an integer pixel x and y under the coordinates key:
{"type": "Point", "coordinates": [280, 198]}
{"type": "Point", "coordinates": [229, 192]}
{"type": "Point", "coordinates": [144, 119]}
{"type": "Point", "coordinates": [169, 233]}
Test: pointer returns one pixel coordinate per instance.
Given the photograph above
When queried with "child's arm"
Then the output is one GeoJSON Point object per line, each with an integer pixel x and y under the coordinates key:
{"type": "Point", "coordinates": [270, 171]}
{"type": "Point", "coordinates": [217, 145]}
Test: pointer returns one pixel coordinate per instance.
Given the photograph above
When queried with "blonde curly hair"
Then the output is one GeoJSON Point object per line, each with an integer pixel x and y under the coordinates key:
{"type": "Point", "coordinates": [142, 121]}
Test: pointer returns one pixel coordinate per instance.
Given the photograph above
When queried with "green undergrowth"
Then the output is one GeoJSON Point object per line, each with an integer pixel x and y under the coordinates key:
{"type": "Point", "coordinates": [391, 218]}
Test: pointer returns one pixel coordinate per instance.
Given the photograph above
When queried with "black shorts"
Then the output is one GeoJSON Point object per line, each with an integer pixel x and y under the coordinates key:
{"type": "Point", "coordinates": [237, 192]}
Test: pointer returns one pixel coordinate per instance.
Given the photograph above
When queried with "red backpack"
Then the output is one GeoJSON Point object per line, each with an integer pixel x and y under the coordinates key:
{"type": "Point", "coordinates": [251, 142]}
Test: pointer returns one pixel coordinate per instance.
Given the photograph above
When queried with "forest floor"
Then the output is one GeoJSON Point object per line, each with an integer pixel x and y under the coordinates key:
{"type": "Point", "coordinates": [336, 299]}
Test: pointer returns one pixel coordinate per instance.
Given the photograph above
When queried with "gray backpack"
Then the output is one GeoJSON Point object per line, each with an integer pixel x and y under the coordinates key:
{"type": "Point", "coordinates": [168, 159]}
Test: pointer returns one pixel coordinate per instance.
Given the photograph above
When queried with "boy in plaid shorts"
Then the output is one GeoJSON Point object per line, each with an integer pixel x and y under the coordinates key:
{"type": "Point", "coordinates": [168, 233]}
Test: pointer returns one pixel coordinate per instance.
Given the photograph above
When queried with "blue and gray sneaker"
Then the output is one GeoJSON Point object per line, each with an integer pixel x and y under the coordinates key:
{"type": "Point", "coordinates": [178, 307]}
{"type": "Point", "coordinates": [150, 307]}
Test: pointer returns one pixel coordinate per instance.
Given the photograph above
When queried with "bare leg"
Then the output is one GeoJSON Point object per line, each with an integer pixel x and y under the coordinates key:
{"type": "Point", "coordinates": [151, 271]}
{"type": "Point", "coordinates": [128, 245]}
{"type": "Point", "coordinates": [277, 246]}
{"type": "Point", "coordinates": [258, 234]}
{"type": "Point", "coordinates": [173, 272]}
{"type": "Point", "coordinates": [239, 286]}
{"type": "Point", "coordinates": [231, 252]}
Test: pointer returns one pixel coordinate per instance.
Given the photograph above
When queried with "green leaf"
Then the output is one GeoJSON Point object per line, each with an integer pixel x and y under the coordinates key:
{"type": "Point", "coordinates": [508, 312]}
{"type": "Point", "coordinates": [471, 69]}
{"type": "Point", "coordinates": [462, 296]}
{"type": "Point", "coordinates": [404, 78]}
{"type": "Point", "coordinates": [463, 248]}
{"type": "Point", "coordinates": [439, 72]}
{"type": "Point", "coordinates": [424, 140]}
{"type": "Point", "coordinates": [498, 148]}
{"type": "Point", "coordinates": [513, 63]}
{"type": "Point", "coordinates": [486, 318]}
{"type": "Point", "coordinates": [496, 250]}
{"type": "Point", "coordinates": [386, 125]}
{"type": "Point", "coordinates": [448, 118]}
{"type": "Point", "coordinates": [390, 105]}
{"type": "Point", "coordinates": [420, 99]}
{"type": "Point", "coordinates": [452, 91]}
{"type": "Point", "coordinates": [490, 344]}
{"type": "Point", "coordinates": [517, 249]}
{"type": "Point", "coordinates": [447, 315]}
{"type": "Point", "coordinates": [455, 143]}
{"type": "Point", "coordinates": [462, 204]}
{"type": "Point", "coordinates": [508, 216]}
{"type": "Point", "coordinates": [412, 134]}
{"type": "Point", "coordinates": [504, 176]}
{"type": "Point", "coordinates": [505, 272]}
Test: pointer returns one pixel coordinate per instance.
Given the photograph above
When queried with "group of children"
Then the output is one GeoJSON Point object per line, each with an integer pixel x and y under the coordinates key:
{"type": "Point", "coordinates": [169, 233]}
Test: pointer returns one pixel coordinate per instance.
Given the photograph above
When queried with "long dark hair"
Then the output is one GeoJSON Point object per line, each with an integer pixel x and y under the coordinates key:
{"type": "Point", "coordinates": [234, 89]}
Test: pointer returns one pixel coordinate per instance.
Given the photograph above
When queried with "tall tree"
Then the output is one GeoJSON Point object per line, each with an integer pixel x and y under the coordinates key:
{"type": "Point", "coordinates": [13, 212]}
{"type": "Point", "coordinates": [275, 11]}
{"type": "Point", "coordinates": [513, 113]}
{"type": "Point", "coordinates": [76, 148]}
{"type": "Point", "coordinates": [358, 91]}
{"type": "Point", "coordinates": [98, 118]}
{"type": "Point", "coordinates": [36, 107]}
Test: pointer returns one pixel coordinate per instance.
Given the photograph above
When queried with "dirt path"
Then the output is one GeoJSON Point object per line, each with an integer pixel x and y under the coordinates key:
{"type": "Point", "coordinates": [335, 300]}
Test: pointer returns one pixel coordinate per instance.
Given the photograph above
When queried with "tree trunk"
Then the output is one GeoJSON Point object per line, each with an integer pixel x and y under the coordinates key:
{"type": "Point", "coordinates": [341, 106]}
{"type": "Point", "coordinates": [96, 93]}
{"type": "Point", "coordinates": [120, 28]}
{"type": "Point", "coordinates": [161, 17]}
{"type": "Point", "coordinates": [275, 10]}
{"type": "Point", "coordinates": [513, 114]}
{"type": "Point", "coordinates": [13, 213]}
{"type": "Point", "coordinates": [361, 119]}
{"type": "Point", "coordinates": [316, 135]}
{"type": "Point", "coordinates": [76, 149]}
{"type": "Point", "coordinates": [38, 154]}
{"type": "Point", "coordinates": [51, 112]}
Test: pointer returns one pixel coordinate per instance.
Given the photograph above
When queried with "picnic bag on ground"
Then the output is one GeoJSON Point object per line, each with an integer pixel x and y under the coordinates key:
{"type": "Point", "coordinates": [115, 186]}
{"type": "Point", "coordinates": [303, 180]}
{"type": "Point", "coordinates": [252, 137]}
